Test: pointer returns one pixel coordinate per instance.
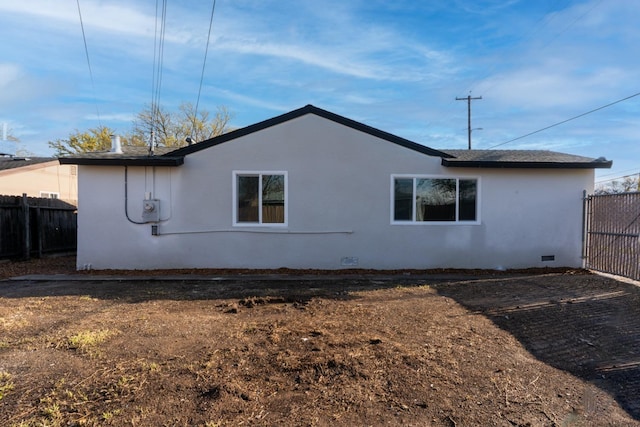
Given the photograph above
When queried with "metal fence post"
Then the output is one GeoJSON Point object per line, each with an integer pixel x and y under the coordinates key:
{"type": "Point", "coordinates": [585, 219]}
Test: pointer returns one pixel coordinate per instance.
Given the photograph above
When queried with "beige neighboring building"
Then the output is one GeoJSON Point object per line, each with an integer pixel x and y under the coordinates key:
{"type": "Point", "coordinates": [38, 177]}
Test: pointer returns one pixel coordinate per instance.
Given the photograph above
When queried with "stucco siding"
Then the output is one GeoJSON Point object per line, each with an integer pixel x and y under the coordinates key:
{"type": "Point", "coordinates": [339, 209]}
{"type": "Point", "coordinates": [40, 180]}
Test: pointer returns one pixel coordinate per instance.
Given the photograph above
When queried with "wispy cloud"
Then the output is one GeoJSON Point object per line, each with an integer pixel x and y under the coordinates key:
{"type": "Point", "coordinates": [249, 100]}
{"type": "Point", "coordinates": [108, 17]}
{"type": "Point", "coordinates": [111, 117]}
{"type": "Point", "coordinates": [394, 65]}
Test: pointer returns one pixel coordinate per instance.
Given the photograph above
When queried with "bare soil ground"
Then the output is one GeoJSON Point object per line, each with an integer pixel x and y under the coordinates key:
{"type": "Point", "coordinates": [555, 348]}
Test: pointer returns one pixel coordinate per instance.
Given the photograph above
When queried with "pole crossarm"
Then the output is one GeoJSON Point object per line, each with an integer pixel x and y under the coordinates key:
{"type": "Point", "coordinates": [468, 98]}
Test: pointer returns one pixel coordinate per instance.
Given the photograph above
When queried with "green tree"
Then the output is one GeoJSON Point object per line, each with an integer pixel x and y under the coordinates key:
{"type": "Point", "coordinates": [94, 139]}
{"type": "Point", "coordinates": [171, 129]}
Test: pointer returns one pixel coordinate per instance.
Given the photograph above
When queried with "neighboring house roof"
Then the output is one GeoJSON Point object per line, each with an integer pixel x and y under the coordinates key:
{"type": "Point", "coordinates": [450, 158]}
{"type": "Point", "coordinates": [521, 159]}
{"type": "Point", "coordinates": [14, 162]}
{"type": "Point", "coordinates": [130, 156]}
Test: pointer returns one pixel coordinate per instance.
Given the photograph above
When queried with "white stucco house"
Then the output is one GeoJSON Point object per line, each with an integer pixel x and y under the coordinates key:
{"type": "Point", "coordinates": [313, 189]}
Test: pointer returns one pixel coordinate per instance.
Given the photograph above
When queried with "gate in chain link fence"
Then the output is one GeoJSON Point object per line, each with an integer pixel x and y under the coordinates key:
{"type": "Point", "coordinates": [612, 234]}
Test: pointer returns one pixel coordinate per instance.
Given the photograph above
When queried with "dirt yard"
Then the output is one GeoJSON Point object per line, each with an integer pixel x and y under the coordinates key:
{"type": "Point", "coordinates": [553, 349]}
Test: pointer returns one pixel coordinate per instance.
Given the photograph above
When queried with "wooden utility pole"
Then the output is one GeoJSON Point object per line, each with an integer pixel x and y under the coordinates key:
{"type": "Point", "coordinates": [468, 99]}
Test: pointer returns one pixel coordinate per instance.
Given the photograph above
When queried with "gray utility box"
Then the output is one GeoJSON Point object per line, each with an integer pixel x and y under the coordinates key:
{"type": "Point", "coordinates": [151, 210]}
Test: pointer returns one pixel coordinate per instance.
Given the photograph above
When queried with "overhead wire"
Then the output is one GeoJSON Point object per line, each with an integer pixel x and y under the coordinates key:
{"type": "Point", "coordinates": [549, 42]}
{"type": "Point", "coordinates": [567, 120]}
{"type": "Point", "coordinates": [204, 63]}
{"type": "Point", "coordinates": [158, 59]}
{"type": "Point", "coordinates": [617, 178]}
{"type": "Point", "coordinates": [86, 51]}
{"type": "Point", "coordinates": [538, 25]}
{"type": "Point", "coordinates": [619, 172]}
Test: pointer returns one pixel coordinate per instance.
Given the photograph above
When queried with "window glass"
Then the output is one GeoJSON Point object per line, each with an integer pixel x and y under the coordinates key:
{"type": "Point", "coordinates": [260, 198]}
{"type": "Point", "coordinates": [403, 199]}
{"type": "Point", "coordinates": [435, 199]}
{"type": "Point", "coordinates": [49, 195]}
{"type": "Point", "coordinates": [248, 203]}
{"type": "Point", "coordinates": [424, 199]}
{"type": "Point", "coordinates": [467, 196]}
{"type": "Point", "coordinates": [273, 199]}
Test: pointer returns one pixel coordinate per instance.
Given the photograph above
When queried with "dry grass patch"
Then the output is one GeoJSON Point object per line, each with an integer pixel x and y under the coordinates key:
{"type": "Point", "coordinates": [13, 321]}
{"type": "Point", "coordinates": [327, 352]}
{"type": "Point", "coordinates": [6, 384]}
{"type": "Point", "coordinates": [87, 342]}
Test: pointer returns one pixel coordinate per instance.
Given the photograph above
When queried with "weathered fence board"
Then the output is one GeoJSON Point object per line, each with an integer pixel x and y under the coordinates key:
{"type": "Point", "coordinates": [31, 226]}
{"type": "Point", "coordinates": [613, 234]}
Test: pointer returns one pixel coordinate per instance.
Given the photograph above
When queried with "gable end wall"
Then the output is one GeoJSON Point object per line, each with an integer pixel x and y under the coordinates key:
{"type": "Point", "coordinates": [338, 209]}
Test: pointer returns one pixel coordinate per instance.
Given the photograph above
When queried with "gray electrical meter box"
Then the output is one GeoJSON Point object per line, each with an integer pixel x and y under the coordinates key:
{"type": "Point", "coordinates": [151, 210]}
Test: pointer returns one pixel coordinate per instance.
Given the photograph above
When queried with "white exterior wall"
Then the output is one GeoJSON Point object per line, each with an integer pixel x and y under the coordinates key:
{"type": "Point", "coordinates": [339, 191]}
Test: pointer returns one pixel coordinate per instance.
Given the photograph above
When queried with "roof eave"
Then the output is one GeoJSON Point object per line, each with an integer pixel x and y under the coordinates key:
{"type": "Point", "coordinates": [525, 165]}
{"type": "Point", "coordinates": [170, 161]}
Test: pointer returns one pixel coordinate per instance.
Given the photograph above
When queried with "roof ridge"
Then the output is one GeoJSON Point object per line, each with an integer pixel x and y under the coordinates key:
{"type": "Point", "coordinates": [307, 109]}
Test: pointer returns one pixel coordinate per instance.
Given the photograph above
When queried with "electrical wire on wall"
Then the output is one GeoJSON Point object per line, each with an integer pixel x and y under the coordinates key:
{"type": "Point", "coordinates": [126, 197]}
{"type": "Point", "coordinates": [126, 193]}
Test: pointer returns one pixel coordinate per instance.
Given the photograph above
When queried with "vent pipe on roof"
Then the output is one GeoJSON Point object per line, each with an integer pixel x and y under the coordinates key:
{"type": "Point", "coordinates": [116, 146]}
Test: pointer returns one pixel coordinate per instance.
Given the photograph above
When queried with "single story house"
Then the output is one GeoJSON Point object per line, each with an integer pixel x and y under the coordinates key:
{"type": "Point", "coordinates": [38, 177]}
{"type": "Point", "coordinates": [311, 189]}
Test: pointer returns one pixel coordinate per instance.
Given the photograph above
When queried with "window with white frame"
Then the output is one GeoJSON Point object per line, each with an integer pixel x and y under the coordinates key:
{"type": "Point", "coordinates": [260, 198]}
{"type": "Point", "coordinates": [49, 195]}
{"type": "Point", "coordinates": [419, 199]}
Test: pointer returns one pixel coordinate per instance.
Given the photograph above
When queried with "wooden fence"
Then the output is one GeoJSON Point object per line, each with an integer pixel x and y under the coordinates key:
{"type": "Point", "coordinates": [613, 234]}
{"type": "Point", "coordinates": [31, 226]}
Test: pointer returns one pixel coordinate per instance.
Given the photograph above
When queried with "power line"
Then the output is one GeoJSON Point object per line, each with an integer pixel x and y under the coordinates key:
{"type": "Point", "coordinates": [86, 51]}
{"type": "Point", "coordinates": [158, 58]}
{"type": "Point", "coordinates": [618, 172]}
{"type": "Point", "coordinates": [204, 63]}
{"type": "Point", "coordinates": [536, 27]}
{"type": "Point", "coordinates": [568, 120]}
{"type": "Point", "coordinates": [542, 22]}
{"type": "Point", "coordinates": [468, 98]}
{"type": "Point", "coordinates": [544, 46]}
{"type": "Point", "coordinates": [616, 178]}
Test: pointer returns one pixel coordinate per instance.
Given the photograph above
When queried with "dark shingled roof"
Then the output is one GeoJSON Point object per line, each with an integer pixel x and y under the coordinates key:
{"type": "Point", "coordinates": [14, 162]}
{"type": "Point", "coordinates": [521, 159]}
{"type": "Point", "coordinates": [138, 156]}
{"type": "Point", "coordinates": [130, 156]}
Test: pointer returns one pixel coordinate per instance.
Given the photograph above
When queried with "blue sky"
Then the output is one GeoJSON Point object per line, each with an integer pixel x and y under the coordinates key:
{"type": "Point", "coordinates": [395, 65]}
